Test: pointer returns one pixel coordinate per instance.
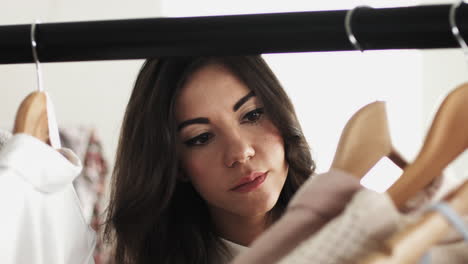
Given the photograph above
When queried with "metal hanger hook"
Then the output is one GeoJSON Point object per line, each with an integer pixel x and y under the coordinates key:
{"type": "Point", "coordinates": [349, 29]}
{"type": "Point", "coordinates": [454, 27]}
{"type": "Point", "coordinates": [40, 88]}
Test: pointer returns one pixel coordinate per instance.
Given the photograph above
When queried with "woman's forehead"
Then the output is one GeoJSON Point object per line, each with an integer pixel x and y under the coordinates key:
{"type": "Point", "coordinates": [212, 86]}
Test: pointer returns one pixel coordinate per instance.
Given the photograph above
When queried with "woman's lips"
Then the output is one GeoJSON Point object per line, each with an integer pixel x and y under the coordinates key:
{"type": "Point", "coordinates": [251, 185]}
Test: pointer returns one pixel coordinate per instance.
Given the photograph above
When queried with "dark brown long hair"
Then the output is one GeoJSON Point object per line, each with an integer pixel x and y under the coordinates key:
{"type": "Point", "coordinates": [152, 216]}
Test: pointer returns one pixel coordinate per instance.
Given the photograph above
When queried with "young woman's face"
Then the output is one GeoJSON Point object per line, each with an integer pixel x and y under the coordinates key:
{"type": "Point", "coordinates": [230, 151]}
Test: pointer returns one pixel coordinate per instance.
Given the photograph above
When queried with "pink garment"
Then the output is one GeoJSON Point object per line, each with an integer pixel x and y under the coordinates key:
{"type": "Point", "coordinates": [320, 199]}
{"type": "Point", "coordinates": [369, 219]}
{"type": "Point", "coordinates": [331, 220]}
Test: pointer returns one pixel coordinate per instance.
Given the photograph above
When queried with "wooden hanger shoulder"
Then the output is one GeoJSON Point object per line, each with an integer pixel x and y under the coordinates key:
{"type": "Point", "coordinates": [447, 138]}
{"type": "Point", "coordinates": [365, 140]}
{"type": "Point", "coordinates": [32, 118]}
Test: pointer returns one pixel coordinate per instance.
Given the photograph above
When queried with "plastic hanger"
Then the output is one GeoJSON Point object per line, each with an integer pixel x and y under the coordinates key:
{"type": "Point", "coordinates": [35, 116]}
{"type": "Point", "coordinates": [365, 138]}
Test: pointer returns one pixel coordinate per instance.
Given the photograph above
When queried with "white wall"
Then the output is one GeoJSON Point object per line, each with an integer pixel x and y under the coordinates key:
{"type": "Point", "coordinates": [84, 93]}
{"type": "Point", "coordinates": [216, 7]}
{"type": "Point", "coordinates": [328, 88]}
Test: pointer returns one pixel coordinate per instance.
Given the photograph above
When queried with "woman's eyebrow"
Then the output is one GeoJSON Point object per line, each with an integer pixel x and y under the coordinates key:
{"type": "Point", "coordinates": [204, 120]}
{"type": "Point", "coordinates": [242, 101]}
{"type": "Point", "coordinates": [199, 120]}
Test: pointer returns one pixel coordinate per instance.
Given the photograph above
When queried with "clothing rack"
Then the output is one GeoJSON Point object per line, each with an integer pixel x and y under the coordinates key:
{"type": "Point", "coordinates": [416, 27]}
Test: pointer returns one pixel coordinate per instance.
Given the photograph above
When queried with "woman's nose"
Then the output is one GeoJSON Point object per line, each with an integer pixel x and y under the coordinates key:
{"type": "Point", "coordinates": [238, 150]}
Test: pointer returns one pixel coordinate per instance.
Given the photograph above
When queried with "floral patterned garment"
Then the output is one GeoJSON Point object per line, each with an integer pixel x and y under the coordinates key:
{"type": "Point", "coordinates": [90, 185]}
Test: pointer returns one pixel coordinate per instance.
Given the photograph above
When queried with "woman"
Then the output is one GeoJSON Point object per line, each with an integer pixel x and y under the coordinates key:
{"type": "Point", "coordinates": [210, 154]}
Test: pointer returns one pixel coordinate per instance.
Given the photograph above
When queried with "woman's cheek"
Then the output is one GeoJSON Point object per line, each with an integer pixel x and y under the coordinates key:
{"type": "Point", "coordinates": [198, 168]}
{"type": "Point", "coordinates": [271, 135]}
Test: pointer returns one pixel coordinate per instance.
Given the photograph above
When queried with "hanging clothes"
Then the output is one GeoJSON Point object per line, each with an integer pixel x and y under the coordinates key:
{"type": "Point", "coordinates": [352, 234]}
{"type": "Point", "coordinates": [321, 198]}
{"type": "Point", "coordinates": [458, 224]}
{"type": "Point", "coordinates": [42, 221]}
{"type": "Point", "coordinates": [4, 137]}
{"type": "Point", "coordinates": [233, 249]}
{"type": "Point", "coordinates": [90, 185]}
{"type": "Point", "coordinates": [369, 219]}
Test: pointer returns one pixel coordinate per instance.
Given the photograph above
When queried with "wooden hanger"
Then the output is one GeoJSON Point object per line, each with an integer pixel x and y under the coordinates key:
{"type": "Point", "coordinates": [365, 140]}
{"type": "Point", "coordinates": [32, 118]}
{"type": "Point", "coordinates": [447, 138]}
{"type": "Point", "coordinates": [36, 116]}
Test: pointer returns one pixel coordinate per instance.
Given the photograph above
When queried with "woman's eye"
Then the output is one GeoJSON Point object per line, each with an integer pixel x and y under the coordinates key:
{"type": "Point", "coordinates": [199, 140]}
{"type": "Point", "coordinates": [254, 116]}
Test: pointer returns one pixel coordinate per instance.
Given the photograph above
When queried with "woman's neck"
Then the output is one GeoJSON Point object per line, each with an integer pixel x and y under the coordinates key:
{"type": "Point", "coordinates": [239, 229]}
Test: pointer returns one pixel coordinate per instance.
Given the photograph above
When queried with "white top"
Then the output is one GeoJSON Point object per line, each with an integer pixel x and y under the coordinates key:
{"type": "Point", "coordinates": [234, 250]}
{"type": "Point", "coordinates": [42, 221]}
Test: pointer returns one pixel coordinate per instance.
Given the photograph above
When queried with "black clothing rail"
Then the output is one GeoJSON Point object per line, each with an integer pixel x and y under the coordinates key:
{"type": "Point", "coordinates": [417, 27]}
